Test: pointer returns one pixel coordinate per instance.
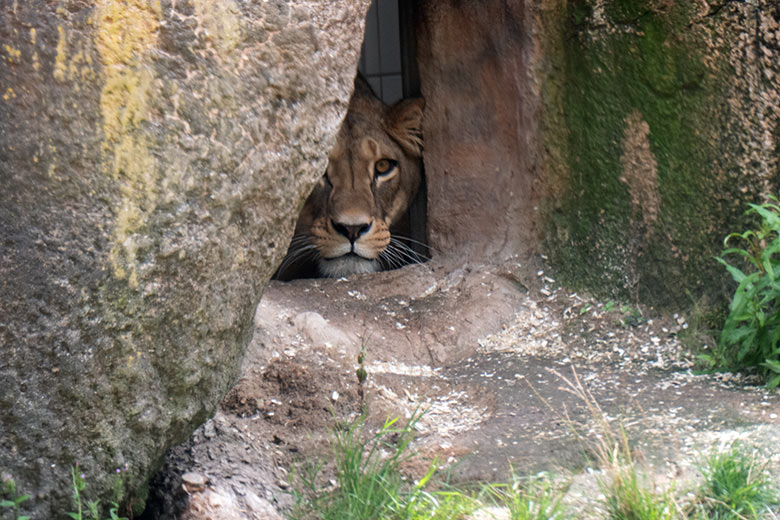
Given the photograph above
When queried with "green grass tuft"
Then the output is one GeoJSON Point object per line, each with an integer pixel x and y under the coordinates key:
{"type": "Point", "coordinates": [534, 498]}
{"type": "Point", "coordinates": [369, 483]}
{"type": "Point", "coordinates": [627, 499]}
{"type": "Point", "coordinates": [735, 487]}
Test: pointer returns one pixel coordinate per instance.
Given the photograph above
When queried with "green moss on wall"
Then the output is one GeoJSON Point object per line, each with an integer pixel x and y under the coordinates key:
{"type": "Point", "coordinates": [636, 113]}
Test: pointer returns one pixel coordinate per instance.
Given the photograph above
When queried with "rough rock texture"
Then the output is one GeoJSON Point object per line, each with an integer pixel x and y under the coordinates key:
{"type": "Point", "coordinates": [660, 124]}
{"type": "Point", "coordinates": [626, 136]}
{"type": "Point", "coordinates": [152, 159]}
{"type": "Point", "coordinates": [480, 127]}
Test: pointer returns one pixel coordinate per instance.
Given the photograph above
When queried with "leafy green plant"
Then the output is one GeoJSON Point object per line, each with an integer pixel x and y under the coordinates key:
{"type": "Point", "coordinates": [90, 510]}
{"type": "Point", "coordinates": [734, 487]}
{"type": "Point", "coordinates": [11, 500]}
{"type": "Point", "coordinates": [632, 317]}
{"type": "Point", "coordinates": [751, 333]}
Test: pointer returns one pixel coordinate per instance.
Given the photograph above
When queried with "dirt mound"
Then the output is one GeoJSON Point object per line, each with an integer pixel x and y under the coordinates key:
{"type": "Point", "coordinates": [291, 395]}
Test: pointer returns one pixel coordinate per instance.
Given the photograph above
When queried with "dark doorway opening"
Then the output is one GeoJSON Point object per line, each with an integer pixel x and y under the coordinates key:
{"type": "Point", "coordinates": [388, 63]}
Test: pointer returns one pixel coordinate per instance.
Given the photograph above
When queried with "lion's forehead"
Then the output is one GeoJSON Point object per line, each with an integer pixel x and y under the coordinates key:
{"type": "Point", "coordinates": [357, 154]}
{"type": "Point", "coordinates": [362, 140]}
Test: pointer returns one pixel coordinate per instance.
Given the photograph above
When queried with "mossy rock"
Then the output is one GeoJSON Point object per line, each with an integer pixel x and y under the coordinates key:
{"type": "Point", "coordinates": [658, 159]}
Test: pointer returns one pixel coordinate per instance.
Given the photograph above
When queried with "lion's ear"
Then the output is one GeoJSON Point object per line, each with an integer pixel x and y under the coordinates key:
{"type": "Point", "coordinates": [404, 124]}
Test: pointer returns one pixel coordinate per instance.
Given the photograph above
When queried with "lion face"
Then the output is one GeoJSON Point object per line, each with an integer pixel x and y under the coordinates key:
{"type": "Point", "coordinates": [373, 174]}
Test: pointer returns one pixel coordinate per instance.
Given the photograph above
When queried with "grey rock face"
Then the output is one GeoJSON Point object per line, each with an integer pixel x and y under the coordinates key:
{"type": "Point", "coordinates": [153, 157]}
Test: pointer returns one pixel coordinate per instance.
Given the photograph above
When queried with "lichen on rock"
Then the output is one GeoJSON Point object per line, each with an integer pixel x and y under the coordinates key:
{"type": "Point", "coordinates": [150, 191]}
{"type": "Point", "coordinates": [126, 32]}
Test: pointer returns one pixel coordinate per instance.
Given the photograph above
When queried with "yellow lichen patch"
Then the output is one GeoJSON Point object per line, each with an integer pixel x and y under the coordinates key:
{"type": "Point", "coordinates": [134, 165]}
{"type": "Point", "coordinates": [136, 169]}
{"type": "Point", "coordinates": [59, 62]}
{"type": "Point", "coordinates": [9, 94]}
{"type": "Point", "coordinates": [80, 67]}
{"type": "Point", "coordinates": [125, 32]}
{"type": "Point", "coordinates": [77, 67]}
{"type": "Point", "coordinates": [52, 171]}
{"type": "Point", "coordinates": [134, 356]}
{"type": "Point", "coordinates": [640, 169]}
{"type": "Point", "coordinates": [218, 23]}
{"type": "Point", "coordinates": [15, 55]}
{"type": "Point", "coordinates": [124, 101]}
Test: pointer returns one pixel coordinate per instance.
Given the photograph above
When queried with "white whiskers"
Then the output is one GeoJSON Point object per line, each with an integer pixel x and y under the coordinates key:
{"type": "Point", "coordinates": [302, 256]}
{"type": "Point", "coordinates": [300, 251]}
{"type": "Point", "coordinates": [398, 254]}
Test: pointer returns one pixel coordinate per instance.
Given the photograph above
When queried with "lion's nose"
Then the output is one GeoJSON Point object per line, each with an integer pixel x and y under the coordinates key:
{"type": "Point", "coordinates": [352, 232]}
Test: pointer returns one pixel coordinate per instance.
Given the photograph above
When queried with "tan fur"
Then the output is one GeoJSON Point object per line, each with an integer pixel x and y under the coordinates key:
{"type": "Point", "coordinates": [349, 214]}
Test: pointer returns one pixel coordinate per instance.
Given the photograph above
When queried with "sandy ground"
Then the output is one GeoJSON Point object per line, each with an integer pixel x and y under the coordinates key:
{"type": "Point", "coordinates": [488, 353]}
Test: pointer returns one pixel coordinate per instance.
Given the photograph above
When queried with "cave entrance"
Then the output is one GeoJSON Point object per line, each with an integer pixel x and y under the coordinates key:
{"type": "Point", "coordinates": [474, 64]}
{"type": "Point", "coordinates": [388, 63]}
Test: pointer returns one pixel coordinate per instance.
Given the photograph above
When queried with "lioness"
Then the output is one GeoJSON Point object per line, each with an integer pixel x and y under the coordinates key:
{"type": "Point", "coordinates": [374, 171]}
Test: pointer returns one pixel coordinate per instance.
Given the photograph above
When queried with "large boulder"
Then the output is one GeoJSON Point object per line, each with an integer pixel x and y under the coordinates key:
{"type": "Point", "coordinates": [153, 156]}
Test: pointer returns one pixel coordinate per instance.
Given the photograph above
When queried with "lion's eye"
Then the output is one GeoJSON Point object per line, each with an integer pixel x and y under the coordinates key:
{"type": "Point", "coordinates": [384, 167]}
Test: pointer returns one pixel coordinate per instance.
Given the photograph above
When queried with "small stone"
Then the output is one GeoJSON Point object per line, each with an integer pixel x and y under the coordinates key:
{"type": "Point", "coordinates": [263, 507]}
{"type": "Point", "coordinates": [209, 430]}
{"type": "Point", "coordinates": [193, 482]}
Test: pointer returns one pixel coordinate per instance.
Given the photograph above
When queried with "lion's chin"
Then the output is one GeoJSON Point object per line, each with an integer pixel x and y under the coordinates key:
{"type": "Point", "coordinates": [346, 265]}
